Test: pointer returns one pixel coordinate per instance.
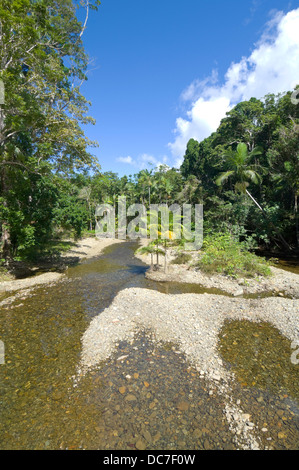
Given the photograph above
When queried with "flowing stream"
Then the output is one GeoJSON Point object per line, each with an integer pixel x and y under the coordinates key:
{"type": "Point", "coordinates": [153, 399]}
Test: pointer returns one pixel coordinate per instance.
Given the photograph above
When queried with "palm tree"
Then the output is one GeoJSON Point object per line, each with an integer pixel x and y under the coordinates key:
{"type": "Point", "coordinates": [188, 192]}
{"type": "Point", "coordinates": [150, 249]}
{"type": "Point", "coordinates": [165, 231]}
{"type": "Point", "coordinates": [244, 172]}
{"type": "Point", "coordinates": [130, 190]}
{"type": "Point", "coordinates": [145, 178]}
{"type": "Point", "coordinates": [168, 189]}
{"type": "Point", "coordinates": [240, 167]}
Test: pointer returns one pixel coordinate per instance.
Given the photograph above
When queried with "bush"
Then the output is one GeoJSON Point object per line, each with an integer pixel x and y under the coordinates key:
{"type": "Point", "coordinates": [182, 258]}
{"type": "Point", "coordinates": [223, 254]}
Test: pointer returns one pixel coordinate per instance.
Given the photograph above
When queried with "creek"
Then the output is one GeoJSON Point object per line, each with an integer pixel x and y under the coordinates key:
{"type": "Point", "coordinates": [166, 405]}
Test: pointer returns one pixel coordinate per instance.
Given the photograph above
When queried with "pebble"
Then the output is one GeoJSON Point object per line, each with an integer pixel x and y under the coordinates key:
{"type": "Point", "coordinates": [140, 445]}
{"type": "Point", "coordinates": [178, 325]}
{"type": "Point", "coordinates": [130, 397]}
{"type": "Point", "coordinates": [147, 436]}
{"type": "Point", "coordinates": [212, 415]}
{"type": "Point", "coordinates": [121, 358]}
{"type": "Point", "coordinates": [183, 406]}
{"type": "Point", "coordinates": [197, 433]}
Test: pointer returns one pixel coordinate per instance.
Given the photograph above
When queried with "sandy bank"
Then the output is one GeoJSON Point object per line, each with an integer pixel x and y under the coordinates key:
{"type": "Point", "coordinates": [83, 249]}
{"type": "Point", "coordinates": [90, 247]}
{"type": "Point", "coordinates": [281, 282]}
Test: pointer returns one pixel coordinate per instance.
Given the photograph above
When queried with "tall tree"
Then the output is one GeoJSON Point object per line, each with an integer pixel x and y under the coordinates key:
{"type": "Point", "coordinates": [145, 178]}
{"type": "Point", "coordinates": [243, 171]}
{"type": "Point", "coordinates": [284, 161]}
{"type": "Point", "coordinates": [42, 66]}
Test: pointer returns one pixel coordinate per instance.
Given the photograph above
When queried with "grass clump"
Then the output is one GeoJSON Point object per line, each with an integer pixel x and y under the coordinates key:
{"type": "Point", "coordinates": [225, 255]}
{"type": "Point", "coordinates": [182, 258]}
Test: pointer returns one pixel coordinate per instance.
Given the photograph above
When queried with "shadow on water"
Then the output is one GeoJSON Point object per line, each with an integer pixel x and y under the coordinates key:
{"type": "Point", "coordinates": [165, 405]}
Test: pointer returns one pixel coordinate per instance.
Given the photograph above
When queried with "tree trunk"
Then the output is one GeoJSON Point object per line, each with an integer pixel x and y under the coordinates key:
{"type": "Point", "coordinates": [296, 219]}
{"type": "Point", "coordinates": [285, 244]}
{"type": "Point", "coordinates": [165, 258]}
{"type": "Point", "coordinates": [5, 245]}
{"type": "Point", "coordinates": [5, 235]}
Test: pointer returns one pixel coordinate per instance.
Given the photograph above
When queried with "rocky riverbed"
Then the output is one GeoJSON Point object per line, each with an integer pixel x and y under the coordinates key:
{"type": "Point", "coordinates": [152, 370]}
{"type": "Point", "coordinates": [192, 322]}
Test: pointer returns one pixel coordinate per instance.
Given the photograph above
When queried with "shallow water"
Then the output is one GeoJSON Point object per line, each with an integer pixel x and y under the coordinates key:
{"type": "Point", "coordinates": [288, 265]}
{"type": "Point", "coordinates": [165, 404]}
{"type": "Point", "coordinates": [267, 378]}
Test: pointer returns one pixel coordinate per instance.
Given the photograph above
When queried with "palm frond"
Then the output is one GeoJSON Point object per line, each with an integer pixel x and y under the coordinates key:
{"type": "Point", "coordinates": [252, 176]}
{"type": "Point", "coordinates": [223, 177]}
{"type": "Point", "coordinates": [256, 151]}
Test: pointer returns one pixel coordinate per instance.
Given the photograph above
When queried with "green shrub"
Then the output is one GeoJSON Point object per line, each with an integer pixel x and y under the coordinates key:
{"type": "Point", "coordinates": [225, 255]}
{"type": "Point", "coordinates": [182, 258]}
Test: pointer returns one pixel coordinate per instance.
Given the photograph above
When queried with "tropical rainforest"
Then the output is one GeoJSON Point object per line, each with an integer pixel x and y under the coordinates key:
{"type": "Point", "coordinates": [246, 173]}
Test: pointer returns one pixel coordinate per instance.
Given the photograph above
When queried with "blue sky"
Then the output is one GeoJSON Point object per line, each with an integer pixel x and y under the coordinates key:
{"type": "Point", "coordinates": [165, 71]}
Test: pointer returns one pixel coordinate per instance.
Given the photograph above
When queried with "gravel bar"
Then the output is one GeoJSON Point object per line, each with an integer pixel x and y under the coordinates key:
{"type": "Point", "coordinates": [192, 322]}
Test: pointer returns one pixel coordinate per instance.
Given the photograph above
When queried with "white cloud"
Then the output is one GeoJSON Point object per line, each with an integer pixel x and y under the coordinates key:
{"type": "Point", "coordinates": [129, 160]}
{"type": "Point", "coordinates": [197, 85]}
{"type": "Point", "coordinates": [144, 161]}
{"type": "Point", "coordinates": [272, 67]}
{"type": "Point", "coordinates": [203, 118]}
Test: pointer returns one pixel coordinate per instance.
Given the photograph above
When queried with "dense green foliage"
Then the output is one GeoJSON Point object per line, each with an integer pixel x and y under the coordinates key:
{"type": "Point", "coordinates": [223, 254]}
{"type": "Point", "coordinates": [42, 64]}
{"type": "Point", "coordinates": [268, 166]}
{"type": "Point", "coordinates": [246, 174]}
